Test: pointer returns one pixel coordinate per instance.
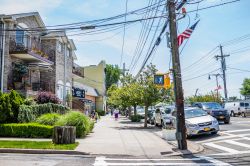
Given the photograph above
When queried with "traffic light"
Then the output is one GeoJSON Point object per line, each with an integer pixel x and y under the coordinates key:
{"type": "Point", "coordinates": [162, 80]}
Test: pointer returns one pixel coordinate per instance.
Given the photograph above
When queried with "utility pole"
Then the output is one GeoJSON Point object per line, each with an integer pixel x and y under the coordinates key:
{"type": "Point", "coordinates": [217, 83]}
{"type": "Point", "coordinates": [196, 91]}
{"type": "Point", "coordinates": [223, 68]}
{"type": "Point", "coordinates": [179, 99]}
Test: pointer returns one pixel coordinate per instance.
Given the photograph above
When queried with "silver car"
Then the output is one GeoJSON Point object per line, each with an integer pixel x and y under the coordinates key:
{"type": "Point", "coordinates": [197, 122]}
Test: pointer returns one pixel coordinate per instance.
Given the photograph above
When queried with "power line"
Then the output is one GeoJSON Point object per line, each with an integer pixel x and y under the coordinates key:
{"type": "Point", "coordinates": [202, 75]}
{"type": "Point", "coordinates": [124, 31]}
{"type": "Point", "coordinates": [243, 70]}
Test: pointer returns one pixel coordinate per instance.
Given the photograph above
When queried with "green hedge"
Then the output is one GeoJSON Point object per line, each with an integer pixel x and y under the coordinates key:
{"type": "Point", "coordinates": [100, 112]}
{"type": "Point", "coordinates": [136, 118]}
{"type": "Point", "coordinates": [29, 113]}
{"type": "Point", "coordinates": [26, 130]}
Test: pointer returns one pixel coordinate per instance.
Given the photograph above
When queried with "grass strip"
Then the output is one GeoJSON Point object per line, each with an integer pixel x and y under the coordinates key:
{"type": "Point", "coordinates": [36, 145]}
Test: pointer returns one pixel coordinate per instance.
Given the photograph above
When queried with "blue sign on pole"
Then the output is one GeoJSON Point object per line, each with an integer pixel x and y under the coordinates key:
{"type": "Point", "coordinates": [159, 79]}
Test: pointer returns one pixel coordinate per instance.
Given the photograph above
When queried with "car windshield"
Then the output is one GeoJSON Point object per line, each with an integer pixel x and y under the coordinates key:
{"type": "Point", "coordinates": [192, 113]}
{"type": "Point", "coordinates": [211, 106]}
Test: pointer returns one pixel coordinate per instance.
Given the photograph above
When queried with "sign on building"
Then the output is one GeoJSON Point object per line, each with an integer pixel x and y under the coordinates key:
{"type": "Point", "coordinates": [77, 92]}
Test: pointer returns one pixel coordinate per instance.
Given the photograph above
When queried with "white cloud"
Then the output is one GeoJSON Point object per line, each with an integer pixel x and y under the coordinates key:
{"type": "Point", "coordinates": [22, 6]}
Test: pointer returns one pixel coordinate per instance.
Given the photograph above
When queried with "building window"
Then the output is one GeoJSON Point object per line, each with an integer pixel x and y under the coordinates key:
{"type": "Point", "coordinates": [60, 90]}
{"type": "Point", "coordinates": [19, 36]}
{"type": "Point", "coordinates": [59, 47]}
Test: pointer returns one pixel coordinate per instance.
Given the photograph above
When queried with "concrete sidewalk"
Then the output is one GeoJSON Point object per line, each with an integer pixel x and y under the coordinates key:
{"type": "Point", "coordinates": [117, 138]}
{"type": "Point", "coordinates": [123, 137]}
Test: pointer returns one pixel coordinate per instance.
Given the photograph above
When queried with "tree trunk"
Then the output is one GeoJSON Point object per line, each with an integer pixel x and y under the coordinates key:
{"type": "Point", "coordinates": [64, 135]}
{"type": "Point", "coordinates": [146, 117]}
{"type": "Point", "coordinates": [129, 111]}
{"type": "Point", "coordinates": [135, 110]}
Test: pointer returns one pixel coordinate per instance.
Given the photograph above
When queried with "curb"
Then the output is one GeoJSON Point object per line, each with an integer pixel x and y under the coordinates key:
{"type": "Point", "coordinates": [193, 148]}
{"type": "Point", "coordinates": [42, 151]}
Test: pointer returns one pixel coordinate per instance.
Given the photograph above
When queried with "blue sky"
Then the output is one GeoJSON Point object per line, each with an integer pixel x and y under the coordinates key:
{"type": "Point", "coordinates": [217, 25]}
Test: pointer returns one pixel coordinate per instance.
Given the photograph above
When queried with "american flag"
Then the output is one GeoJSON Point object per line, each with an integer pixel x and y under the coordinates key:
{"type": "Point", "coordinates": [186, 34]}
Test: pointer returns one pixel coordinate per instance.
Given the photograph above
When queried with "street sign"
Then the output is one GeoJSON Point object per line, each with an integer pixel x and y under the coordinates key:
{"type": "Point", "coordinates": [162, 80]}
{"type": "Point", "coordinates": [159, 79]}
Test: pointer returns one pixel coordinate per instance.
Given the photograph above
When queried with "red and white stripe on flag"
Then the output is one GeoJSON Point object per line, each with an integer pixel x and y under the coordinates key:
{"type": "Point", "coordinates": [185, 35]}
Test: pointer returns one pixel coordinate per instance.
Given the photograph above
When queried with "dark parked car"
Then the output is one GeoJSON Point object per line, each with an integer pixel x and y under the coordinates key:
{"type": "Point", "coordinates": [215, 110]}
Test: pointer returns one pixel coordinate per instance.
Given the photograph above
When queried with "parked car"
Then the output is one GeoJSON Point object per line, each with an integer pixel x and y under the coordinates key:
{"type": "Point", "coordinates": [162, 115]}
{"type": "Point", "coordinates": [197, 122]}
{"type": "Point", "coordinates": [237, 108]}
{"type": "Point", "coordinates": [215, 110]}
{"type": "Point", "coordinates": [140, 111]}
{"type": "Point", "coordinates": [151, 113]}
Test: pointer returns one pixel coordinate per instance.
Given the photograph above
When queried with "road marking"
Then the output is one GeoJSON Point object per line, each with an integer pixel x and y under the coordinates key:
{"type": "Point", "coordinates": [237, 143]}
{"type": "Point", "coordinates": [221, 148]}
{"type": "Point", "coordinates": [103, 161]}
{"type": "Point", "coordinates": [235, 131]}
{"type": "Point", "coordinates": [214, 161]}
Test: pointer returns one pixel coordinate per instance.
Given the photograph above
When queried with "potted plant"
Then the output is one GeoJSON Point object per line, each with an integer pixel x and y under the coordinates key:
{"type": "Point", "coordinates": [169, 132]}
{"type": "Point", "coordinates": [19, 71]}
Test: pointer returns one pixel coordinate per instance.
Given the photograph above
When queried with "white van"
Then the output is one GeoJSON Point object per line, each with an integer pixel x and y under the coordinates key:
{"type": "Point", "coordinates": [237, 108]}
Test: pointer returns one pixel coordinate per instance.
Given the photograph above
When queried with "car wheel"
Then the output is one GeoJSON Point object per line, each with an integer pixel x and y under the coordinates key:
{"type": "Point", "coordinates": [215, 132]}
{"type": "Point", "coordinates": [243, 114]}
{"type": "Point", "coordinates": [227, 121]}
{"type": "Point", "coordinates": [232, 114]}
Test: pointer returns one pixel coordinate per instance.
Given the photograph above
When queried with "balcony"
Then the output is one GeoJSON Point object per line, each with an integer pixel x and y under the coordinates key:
{"type": "Point", "coordinates": [28, 49]}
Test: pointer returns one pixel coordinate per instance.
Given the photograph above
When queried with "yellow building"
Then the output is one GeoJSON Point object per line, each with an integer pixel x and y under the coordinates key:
{"type": "Point", "coordinates": [94, 76]}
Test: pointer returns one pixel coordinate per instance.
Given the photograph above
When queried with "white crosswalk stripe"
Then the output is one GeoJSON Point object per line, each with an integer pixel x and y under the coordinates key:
{"type": "Point", "coordinates": [199, 161]}
{"type": "Point", "coordinates": [230, 143]}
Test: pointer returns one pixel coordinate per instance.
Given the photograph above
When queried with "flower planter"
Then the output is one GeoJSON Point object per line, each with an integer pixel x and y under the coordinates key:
{"type": "Point", "coordinates": [169, 134]}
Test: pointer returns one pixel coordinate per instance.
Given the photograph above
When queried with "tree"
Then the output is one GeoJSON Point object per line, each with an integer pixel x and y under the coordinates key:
{"type": "Point", "coordinates": [150, 92]}
{"type": "Point", "coordinates": [112, 75]}
{"type": "Point", "coordinates": [211, 97]}
{"type": "Point", "coordinates": [245, 90]}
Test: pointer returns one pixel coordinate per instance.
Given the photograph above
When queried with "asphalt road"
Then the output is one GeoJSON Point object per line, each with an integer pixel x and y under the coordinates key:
{"type": "Point", "coordinates": [231, 146]}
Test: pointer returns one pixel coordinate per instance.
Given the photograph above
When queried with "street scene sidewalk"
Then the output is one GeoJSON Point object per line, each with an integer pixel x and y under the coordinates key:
{"type": "Point", "coordinates": [123, 137]}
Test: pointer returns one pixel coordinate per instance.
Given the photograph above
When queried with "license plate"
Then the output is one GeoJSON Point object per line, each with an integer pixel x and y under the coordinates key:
{"type": "Point", "coordinates": [206, 129]}
{"type": "Point", "coordinates": [221, 117]}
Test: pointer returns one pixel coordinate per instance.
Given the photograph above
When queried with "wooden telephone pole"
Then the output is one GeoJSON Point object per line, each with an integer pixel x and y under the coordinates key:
{"type": "Point", "coordinates": [180, 117]}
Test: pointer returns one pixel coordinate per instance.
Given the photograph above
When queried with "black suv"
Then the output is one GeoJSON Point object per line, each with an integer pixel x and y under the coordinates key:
{"type": "Point", "coordinates": [215, 110]}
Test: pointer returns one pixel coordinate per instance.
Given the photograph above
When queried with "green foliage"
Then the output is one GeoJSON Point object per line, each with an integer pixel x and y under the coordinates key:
{"type": "Point", "coordinates": [100, 112]}
{"type": "Point", "coordinates": [29, 101]}
{"type": "Point", "coordinates": [19, 71]}
{"type": "Point", "coordinates": [9, 106]}
{"type": "Point", "coordinates": [77, 119]}
{"type": "Point", "coordinates": [112, 75]}
{"type": "Point", "coordinates": [36, 145]}
{"type": "Point", "coordinates": [26, 130]}
{"type": "Point", "coordinates": [5, 108]}
{"type": "Point", "coordinates": [136, 118]}
{"type": "Point", "coordinates": [29, 113]}
{"type": "Point", "coordinates": [48, 119]}
{"type": "Point", "coordinates": [245, 90]}
{"type": "Point", "coordinates": [15, 101]}
{"type": "Point", "coordinates": [211, 97]}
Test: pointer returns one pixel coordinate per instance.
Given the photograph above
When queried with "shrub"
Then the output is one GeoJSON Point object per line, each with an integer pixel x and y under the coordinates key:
{"type": "Point", "coordinates": [26, 130]}
{"type": "Point", "coordinates": [30, 113]}
{"type": "Point", "coordinates": [100, 112]}
{"type": "Point", "coordinates": [77, 119]}
{"type": "Point", "coordinates": [47, 97]}
{"type": "Point", "coordinates": [15, 101]}
{"type": "Point", "coordinates": [29, 101]}
{"type": "Point", "coordinates": [48, 119]}
{"type": "Point", "coordinates": [136, 118]}
{"type": "Point", "coordinates": [5, 108]}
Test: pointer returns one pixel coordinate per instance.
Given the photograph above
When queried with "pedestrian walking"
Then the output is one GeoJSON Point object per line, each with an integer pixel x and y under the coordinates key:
{"type": "Point", "coordinates": [116, 112]}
